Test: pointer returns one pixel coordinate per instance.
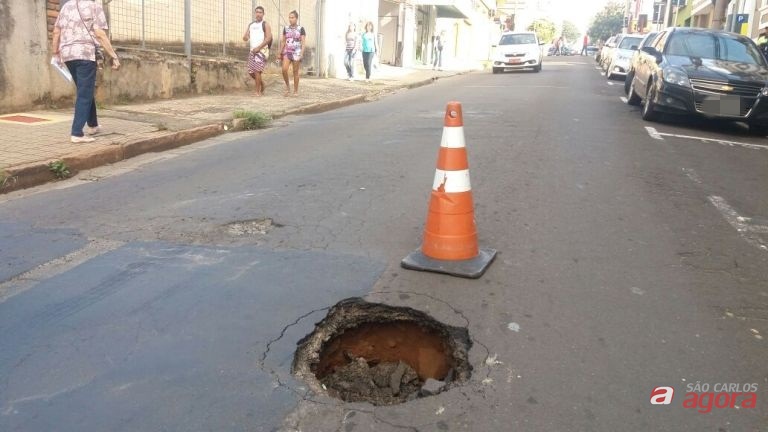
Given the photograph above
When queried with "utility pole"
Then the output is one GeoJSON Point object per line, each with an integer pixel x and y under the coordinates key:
{"type": "Point", "coordinates": [627, 17]}
{"type": "Point", "coordinates": [668, 14]}
{"type": "Point", "coordinates": [718, 17]}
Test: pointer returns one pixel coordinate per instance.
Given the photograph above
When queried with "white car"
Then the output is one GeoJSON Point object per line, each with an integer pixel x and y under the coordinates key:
{"type": "Point", "coordinates": [517, 50]}
{"type": "Point", "coordinates": [621, 57]}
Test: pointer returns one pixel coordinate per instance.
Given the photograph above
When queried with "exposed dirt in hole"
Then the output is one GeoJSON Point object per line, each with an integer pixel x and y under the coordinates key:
{"type": "Point", "coordinates": [421, 348]}
{"type": "Point", "coordinates": [371, 352]}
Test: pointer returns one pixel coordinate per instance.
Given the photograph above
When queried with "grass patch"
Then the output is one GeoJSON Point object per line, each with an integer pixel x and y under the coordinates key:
{"type": "Point", "coordinates": [59, 169]}
{"type": "Point", "coordinates": [253, 120]}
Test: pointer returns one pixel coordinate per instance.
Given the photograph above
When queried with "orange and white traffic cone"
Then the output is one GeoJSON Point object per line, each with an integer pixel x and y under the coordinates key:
{"type": "Point", "coordinates": [450, 237]}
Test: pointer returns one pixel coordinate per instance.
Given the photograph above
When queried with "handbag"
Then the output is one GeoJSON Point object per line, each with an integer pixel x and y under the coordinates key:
{"type": "Point", "coordinates": [99, 53]}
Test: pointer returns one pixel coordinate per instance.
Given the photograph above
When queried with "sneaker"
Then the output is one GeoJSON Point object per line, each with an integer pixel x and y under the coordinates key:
{"type": "Point", "coordinates": [93, 130]}
{"type": "Point", "coordinates": [82, 139]}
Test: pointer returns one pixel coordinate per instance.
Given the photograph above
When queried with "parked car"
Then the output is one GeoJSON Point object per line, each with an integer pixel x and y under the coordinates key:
{"type": "Point", "coordinates": [637, 56]}
{"type": "Point", "coordinates": [621, 55]}
{"type": "Point", "coordinates": [704, 72]}
{"type": "Point", "coordinates": [517, 50]}
{"type": "Point", "coordinates": [591, 50]}
{"type": "Point", "coordinates": [608, 55]}
{"type": "Point", "coordinates": [605, 50]}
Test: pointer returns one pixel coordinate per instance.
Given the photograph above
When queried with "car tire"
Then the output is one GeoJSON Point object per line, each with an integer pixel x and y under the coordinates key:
{"type": "Point", "coordinates": [537, 68]}
{"type": "Point", "coordinates": [632, 97]}
{"type": "Point", "coordinates": [758, 129]}
{"type": "Point", "coordinates": [628, 82]}
{"type": "Point", "coordinates": [649, 112]}
{"type": "Point", "coordinates": [608, 73]}
{"type": "Point", "coordinates": [496, 70]}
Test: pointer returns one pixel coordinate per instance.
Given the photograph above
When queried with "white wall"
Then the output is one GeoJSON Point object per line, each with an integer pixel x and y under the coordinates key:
{"type": "Point", "coordinates": [26, 76]}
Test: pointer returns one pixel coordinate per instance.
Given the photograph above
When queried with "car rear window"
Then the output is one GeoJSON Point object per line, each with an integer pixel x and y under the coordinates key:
{"type": "Point", "coordinates": [517, 39]}
{"type": "Point", "coordinates": [629, 42]}
{"type": "Point", "coordinates": [715, 47]}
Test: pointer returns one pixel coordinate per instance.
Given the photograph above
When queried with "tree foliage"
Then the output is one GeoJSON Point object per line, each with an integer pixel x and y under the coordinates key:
{"type": "Point", "coordinates": [544, 29]}
{"type": "Point", "coordinates": [570, 31]}
{"type": "Point", "coordinates": [607, 22]}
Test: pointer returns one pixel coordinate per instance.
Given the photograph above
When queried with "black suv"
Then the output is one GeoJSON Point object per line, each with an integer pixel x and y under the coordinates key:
{"type": "Point", "coordinates": [705, 72]}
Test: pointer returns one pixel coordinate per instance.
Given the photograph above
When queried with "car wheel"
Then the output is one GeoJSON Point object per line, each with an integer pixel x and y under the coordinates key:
{"type": "Point", "coordinates": [628, 81]}
{"type": "Point", "coordinates": [496, 70]}
{"type": "Point", "coordinates": [758, 129]}
{"type": "Point", "coordinates": [609, 73]}
{"type": "Point", "coordinates": [649, 109]}
{"type": "Point", "coordinates": [632, 97]}
{"type": "Point", "coordinates": [537, 68]}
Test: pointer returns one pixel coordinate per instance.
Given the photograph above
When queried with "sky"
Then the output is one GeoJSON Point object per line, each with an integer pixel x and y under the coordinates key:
{"type": "Point", "coordinates": [579, 12]}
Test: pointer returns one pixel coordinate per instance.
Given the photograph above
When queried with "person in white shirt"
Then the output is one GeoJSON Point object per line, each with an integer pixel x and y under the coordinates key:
{"type": "Point", "coordinates": [259, 34]}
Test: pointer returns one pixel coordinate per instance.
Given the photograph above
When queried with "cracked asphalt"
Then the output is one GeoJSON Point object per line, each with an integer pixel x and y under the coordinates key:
{"type": "Point", "coordinates": [126, 305]}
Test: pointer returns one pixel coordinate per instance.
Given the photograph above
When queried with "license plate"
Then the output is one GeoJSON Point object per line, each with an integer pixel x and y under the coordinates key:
{"type": "Point", "coordinates": [722, 105]}
{"type": "Point", "coordinates": [514, 61]}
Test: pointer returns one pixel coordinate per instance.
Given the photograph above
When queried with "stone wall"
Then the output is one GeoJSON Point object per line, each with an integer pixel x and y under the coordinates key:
{"type": "Point", "coordinates": [27, 80]}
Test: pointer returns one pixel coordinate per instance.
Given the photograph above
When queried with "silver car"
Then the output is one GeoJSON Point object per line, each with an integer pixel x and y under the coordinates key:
{"type": "Point", "coordinates": [621, 57]}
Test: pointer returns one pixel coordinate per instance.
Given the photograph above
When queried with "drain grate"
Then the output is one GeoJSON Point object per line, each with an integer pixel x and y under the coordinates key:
{"type": "Point", "coordinates": [385, 355]}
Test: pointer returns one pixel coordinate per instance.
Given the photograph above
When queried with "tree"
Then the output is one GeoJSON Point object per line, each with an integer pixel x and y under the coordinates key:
{"type": "Point", "coordinates": [607, 22]}
{"type": "Point", "coordinates": [544, 29]}
{"type": "Point", "coordinates": [570, 31]}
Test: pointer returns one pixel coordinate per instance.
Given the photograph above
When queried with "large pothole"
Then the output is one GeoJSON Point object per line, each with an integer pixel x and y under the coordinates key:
{"type": "Point", "coordinates": [385, 355]}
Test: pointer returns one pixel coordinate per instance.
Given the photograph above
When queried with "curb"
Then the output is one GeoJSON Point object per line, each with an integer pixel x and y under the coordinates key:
{"type": "Point", "coordinates": [37, 173]}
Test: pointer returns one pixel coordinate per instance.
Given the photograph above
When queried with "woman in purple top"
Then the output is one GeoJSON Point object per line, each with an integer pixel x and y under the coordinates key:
{"type": "Point", "coordinates": [291, 50]}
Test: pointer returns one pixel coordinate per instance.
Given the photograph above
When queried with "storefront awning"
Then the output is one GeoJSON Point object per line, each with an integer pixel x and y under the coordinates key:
{"type": "Point", "coordinates": [450, 12]}
{"type": "Point", "coordinates": [457, 9]}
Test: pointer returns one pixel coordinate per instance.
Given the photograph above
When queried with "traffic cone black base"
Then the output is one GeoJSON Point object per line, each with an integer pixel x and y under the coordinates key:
{"type": "Point", "coordinates": [471, 268]}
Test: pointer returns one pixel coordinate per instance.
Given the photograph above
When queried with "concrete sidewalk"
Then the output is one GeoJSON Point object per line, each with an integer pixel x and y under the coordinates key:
{"type": "Point", "coordinates": [32, 140]}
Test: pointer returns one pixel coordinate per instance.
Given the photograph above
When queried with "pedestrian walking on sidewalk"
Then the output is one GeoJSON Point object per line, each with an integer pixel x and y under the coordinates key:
{"type": "Point", "coordinates": [437, 63]}
{"type": "Point", "coordinates": [585, 45]}
{"type": "Point", "coordinates": [352, 44]}
{"type": "Point", "coordinates": [291, 50]}
{"type": "Point", "coordinates": [80, 24]}
{"type": "Point", "coordinates": [370, 48]}
{"type": "Point", "coordinates": [259, 34]}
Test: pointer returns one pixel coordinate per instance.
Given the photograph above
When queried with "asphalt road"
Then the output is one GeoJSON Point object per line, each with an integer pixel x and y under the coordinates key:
{"type": "Point", "coordinates": [630, 258]}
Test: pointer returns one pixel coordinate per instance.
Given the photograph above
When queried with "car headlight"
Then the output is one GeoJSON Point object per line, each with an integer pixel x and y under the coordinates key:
{"type": "Point", "coordinates": [764, 91]}
{"type": "Point", "coordinates": [675, 76]}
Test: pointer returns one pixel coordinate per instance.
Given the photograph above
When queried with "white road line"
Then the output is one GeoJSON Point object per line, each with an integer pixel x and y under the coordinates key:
{"type": "Point", "coordinates": [623, 99]}
{"type": "Point", "coordinates": [654, 133]}
{"type": "Point", "coordinates": [660, 136]}
{"type": "Point", "coordinates": [610, 83]}
{"type": "Point", "coordinates": [740, 223]}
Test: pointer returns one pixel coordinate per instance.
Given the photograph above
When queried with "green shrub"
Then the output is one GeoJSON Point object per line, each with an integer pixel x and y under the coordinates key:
{"type": "Point", "coordinates": [59, 169]}
{"type": "Point", "coordinates": [253, 120]}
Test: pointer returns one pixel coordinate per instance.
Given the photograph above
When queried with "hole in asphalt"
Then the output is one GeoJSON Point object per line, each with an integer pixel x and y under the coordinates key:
{"type": "Point", "coordinates": [385, 355]}
{"type": "Point", "coordinates": [251, 227]}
